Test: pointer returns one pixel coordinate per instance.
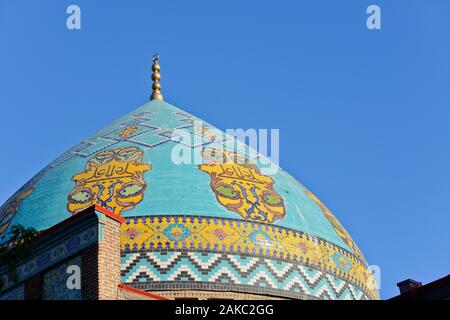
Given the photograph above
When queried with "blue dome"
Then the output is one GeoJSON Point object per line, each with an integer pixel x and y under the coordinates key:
{"type": "Point", "coordinates": [204, 225]}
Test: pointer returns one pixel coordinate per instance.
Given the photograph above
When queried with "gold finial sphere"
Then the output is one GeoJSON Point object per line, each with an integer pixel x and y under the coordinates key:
{"type": "Point", "coordinates": [156, 67]}
{"type": "Point", "coordinates": [156, 76]}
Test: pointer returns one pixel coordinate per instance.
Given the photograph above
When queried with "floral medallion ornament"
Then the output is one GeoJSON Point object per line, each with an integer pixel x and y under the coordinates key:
{"type": "Point", "coordinates": [176, 232]}
{"type": "Point", "coordinates": [261, 238]}
{"type": "Point", "coordinates": [221, 234]}
{"type": "Point", "coordinates": [342, 262]}
{"type": "Point", "coordinates": [113, 179]}
{"type": "Point", "coordinates": [240, 187]}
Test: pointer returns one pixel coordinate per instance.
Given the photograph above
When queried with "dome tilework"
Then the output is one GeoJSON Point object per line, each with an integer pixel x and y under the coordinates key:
{"type": "Point", "coordinates": [205, 225]}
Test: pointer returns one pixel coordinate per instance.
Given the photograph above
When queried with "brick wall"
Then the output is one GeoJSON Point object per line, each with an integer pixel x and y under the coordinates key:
{"type": "Point", "coordinates": [109, 259]}
{"type": "Point", "coordinates": [33, 286]}
{"type": "Point", "coordinates": [89, 273]}
{"type": "Point", "coordinates": [100, 266]}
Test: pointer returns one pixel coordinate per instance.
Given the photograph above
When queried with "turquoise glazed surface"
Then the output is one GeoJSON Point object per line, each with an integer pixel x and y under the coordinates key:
{"type": "Point", "coordinates": [171, 188]}
{"type": "Point", "coordinates": [128, 168]}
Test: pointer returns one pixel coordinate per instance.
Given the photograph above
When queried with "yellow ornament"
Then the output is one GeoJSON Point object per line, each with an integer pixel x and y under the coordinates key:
{"type": "Point", "coordinates": [113, 179]}
{"type": "Point", "coordinates": [240, 187]}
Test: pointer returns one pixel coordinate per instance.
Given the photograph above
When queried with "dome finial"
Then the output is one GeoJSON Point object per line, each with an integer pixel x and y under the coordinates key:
{"type": "Point", "coordinates": [156, 95]}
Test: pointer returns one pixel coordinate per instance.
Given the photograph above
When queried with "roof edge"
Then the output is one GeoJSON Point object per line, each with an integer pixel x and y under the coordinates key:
{"type": "Point", "coordinates": [131, 289]}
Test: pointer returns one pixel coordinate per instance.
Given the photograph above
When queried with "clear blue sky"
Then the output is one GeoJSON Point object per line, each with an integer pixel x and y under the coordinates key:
{"type": "Point", "coordinates": [363, 115]}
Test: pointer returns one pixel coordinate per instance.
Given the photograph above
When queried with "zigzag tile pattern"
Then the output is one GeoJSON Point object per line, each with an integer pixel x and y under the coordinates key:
{"type": "Point", "coordinates": [235, 237]}
{"type": "Point", "coordinates": [220, 271]}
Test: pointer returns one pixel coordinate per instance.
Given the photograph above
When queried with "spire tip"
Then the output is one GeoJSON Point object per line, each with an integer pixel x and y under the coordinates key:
{"type": "Point", "coordinates": [156, 77]}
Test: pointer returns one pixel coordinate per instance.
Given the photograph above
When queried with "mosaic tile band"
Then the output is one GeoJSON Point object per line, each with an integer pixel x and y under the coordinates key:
{"type": "Point", "coordinates": [228, 272]}
{"type": "Point", "coordinates": [54, 283]}
{"type": "Point", "coordinates": [232, 236]}
{"type": "Point", "coordinates": [55, 254]}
